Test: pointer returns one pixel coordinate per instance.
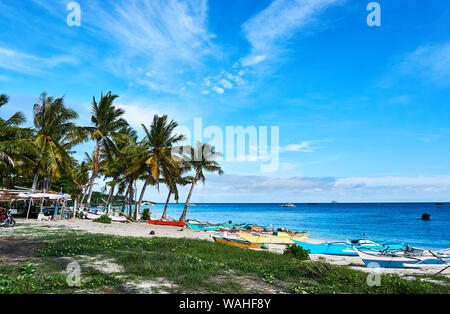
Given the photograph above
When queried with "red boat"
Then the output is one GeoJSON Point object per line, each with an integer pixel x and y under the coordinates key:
{"type": "Point", "coordinates": [167, 223]}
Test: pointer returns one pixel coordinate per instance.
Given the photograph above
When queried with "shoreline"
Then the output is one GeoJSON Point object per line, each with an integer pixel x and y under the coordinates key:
{"type": "Point", "coordinates": [143, 229]}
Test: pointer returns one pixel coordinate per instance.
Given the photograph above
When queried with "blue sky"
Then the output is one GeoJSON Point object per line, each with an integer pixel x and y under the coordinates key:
{"type": "Point", "coordinates": [362, 111]}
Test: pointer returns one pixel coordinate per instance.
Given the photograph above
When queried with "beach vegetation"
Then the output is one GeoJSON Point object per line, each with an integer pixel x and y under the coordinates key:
{"type": "Point", "coordinates": [104, 219]}
{"type": "Point", "coordinates": [42, 157]}
{"type": "Point", "coordinates": [182, 265]}
{"type": "Point", "coordinates": [296, 251]}
{"type": "Point", "coordinates": [145, 214]}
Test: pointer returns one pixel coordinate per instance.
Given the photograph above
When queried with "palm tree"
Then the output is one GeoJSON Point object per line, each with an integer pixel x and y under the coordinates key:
{"type": "Point", "coordinates": [154, 152]}
{"type": "Point", "coordinates": [80, 178]}
{"type": "Point", "coordinates": [16, 146]}
{"type": "Point", "coordinates": [55, 135]}
{"type": "Point", "coordinates": [200, 160]}
{"type": "Point", "coordinates": [175, 178]}
{"type": "Point", "coordinates": [107, 122]}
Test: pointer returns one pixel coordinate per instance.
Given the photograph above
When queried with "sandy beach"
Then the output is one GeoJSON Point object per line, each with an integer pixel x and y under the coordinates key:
{"type": "Point", "coordinates": [142, 229]}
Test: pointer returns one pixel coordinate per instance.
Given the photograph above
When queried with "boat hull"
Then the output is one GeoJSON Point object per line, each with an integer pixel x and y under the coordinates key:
{"type": "Point", "coordinates": [377, 260]}
{"type": "Point", "coordinates": [332, 248]}
{"type": "Point", "coordinates": [212, 227]}
{"type": "Point", "coordinates": [344, 248]}
{"type": "Point", "coordinates": [281, 238]}
{"type": "Point", "coordinates": [238, 242]}
{"type": "Point", "coordinates": [167, 223]}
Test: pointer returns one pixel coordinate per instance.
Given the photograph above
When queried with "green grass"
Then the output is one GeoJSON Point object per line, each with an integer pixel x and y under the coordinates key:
{"type": "Point", "coordinates": [194, 266]}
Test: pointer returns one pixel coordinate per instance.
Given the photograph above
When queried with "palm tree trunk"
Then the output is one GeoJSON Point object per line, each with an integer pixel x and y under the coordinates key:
{"type": "Point", "coordinates": [35, 180]}
{"type": "Point", "coordinates": [84, 196]}
{"type": "Point", "coordinates": [183, 215]}
{"type": "Point", "coordinates": [141, 197]}
{"type": "Point", "coordinates": [94, 173]}
{"type": "Point", "coordinates": [45, 185]}
{"type": "Point", "coordinates": [167, 203]}
{"type": "Point", "coordinates": [124, 203]}
{"type": "Point", "coordinates": [130, 200]}
{"type": "Point", "coordinates": [111, 193]}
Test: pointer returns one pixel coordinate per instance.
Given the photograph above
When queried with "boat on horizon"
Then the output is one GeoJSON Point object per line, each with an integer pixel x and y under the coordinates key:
{"type": "Point", "coordinates": [288, 205]}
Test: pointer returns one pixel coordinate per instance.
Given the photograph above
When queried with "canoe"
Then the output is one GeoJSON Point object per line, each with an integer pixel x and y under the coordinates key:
{"type": "Point", "coordinates": [280, 238]}
{"type": "Point", "coordinates": [343, 248]}
{"type": "Point", "coordinates": [238, 242]}
{"type": "Point", "coordinates": [167, 223]}
{"type": "Point", "coordinates": [402, 259]}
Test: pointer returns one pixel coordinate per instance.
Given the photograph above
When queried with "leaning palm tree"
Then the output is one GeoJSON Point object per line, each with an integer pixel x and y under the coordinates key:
{"type": "Point", "coordinates": [200, 159]}
{"type": "Point", "coordinates": [107, 122]}
{"type": "Point", "coordinates": [173, 180]}
{"type": "Point", "coordinates": [80, 178]}
{"type": "Point", "coordinates": [154, 153]}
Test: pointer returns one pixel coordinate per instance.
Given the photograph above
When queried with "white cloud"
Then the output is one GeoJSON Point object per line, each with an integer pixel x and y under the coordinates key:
{"type": "Point", "coordinates": [253, 60]}
{"type": "Point", "coordinates": [30, 64]}
{"type": "Point", "coordinates": [294, 188]}
{"type": "Point", "coordinates": [167, 40]}
{"type": "Point", "coordinates": [302, 147]}
{"type": "Point", "coordinates": [136, 113]}
{"type": "Point", "coordinates": [430, 62]}
{"type": "Point", "coordinates": [305, 146]}
{"type": "Point", "coordinates": [226, 84]}
{"type": "Point", "coordinates": [218, 90]}
{"type": "Point", "coordinates": [268, 31]}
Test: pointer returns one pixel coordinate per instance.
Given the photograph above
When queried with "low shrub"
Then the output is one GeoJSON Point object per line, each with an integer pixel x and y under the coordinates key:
{"type": "Point", "coordinates": [104, 219]}
{"type": "Point", "coordinates": [145, 214]}
{"type": "Point", "coordinates": [297, 252]}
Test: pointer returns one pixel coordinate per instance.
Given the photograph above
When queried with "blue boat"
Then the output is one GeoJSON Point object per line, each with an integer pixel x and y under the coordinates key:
{"type": "Point", "coordinates": [345, 248]}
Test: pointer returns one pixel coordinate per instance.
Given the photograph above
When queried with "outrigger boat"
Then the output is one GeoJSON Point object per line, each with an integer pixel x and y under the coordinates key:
{"type": "Point", "coordinates": [344, 248]}
{"type": "Point", "coordinates": [276, 238]}
{"type": "Point", "coordinates": [408, 258]}
{"type": "Point", "coordinates": [211, 227]}
{"type": "Point", "coordinates": [167, 223]}
{"type": "Point", "coordinates": [239, 242]}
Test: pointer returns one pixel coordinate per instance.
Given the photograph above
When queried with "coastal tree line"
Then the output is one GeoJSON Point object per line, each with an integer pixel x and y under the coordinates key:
{"type": "Point", "coordinates": [41, 157]}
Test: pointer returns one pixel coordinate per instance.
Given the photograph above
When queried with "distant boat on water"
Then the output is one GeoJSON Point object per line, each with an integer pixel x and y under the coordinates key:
{"type": "Point", "coordinates": [287, 205]}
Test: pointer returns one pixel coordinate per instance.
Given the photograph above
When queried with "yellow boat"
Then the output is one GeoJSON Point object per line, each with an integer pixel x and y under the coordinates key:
{"type": "Point", "coordinates": [238, 242]}
{"type": "Point", "coordinates": [280, 238]}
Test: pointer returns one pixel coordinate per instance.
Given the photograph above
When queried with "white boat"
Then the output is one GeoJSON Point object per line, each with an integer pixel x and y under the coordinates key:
{"type": "Point", "coordinates": [93, 216]}
{"type": "Point", "coordinates": [288, 205]}
{"type": "Point", "coordinates": [409, 258]}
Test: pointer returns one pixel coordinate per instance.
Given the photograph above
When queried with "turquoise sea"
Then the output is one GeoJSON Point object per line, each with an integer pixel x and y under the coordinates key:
{"type": "Point", "coordinates": [380, 222]}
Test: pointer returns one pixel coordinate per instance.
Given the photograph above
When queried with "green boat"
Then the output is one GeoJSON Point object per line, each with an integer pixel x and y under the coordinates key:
{"type": "Point", "coordinates": [211, 227]}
